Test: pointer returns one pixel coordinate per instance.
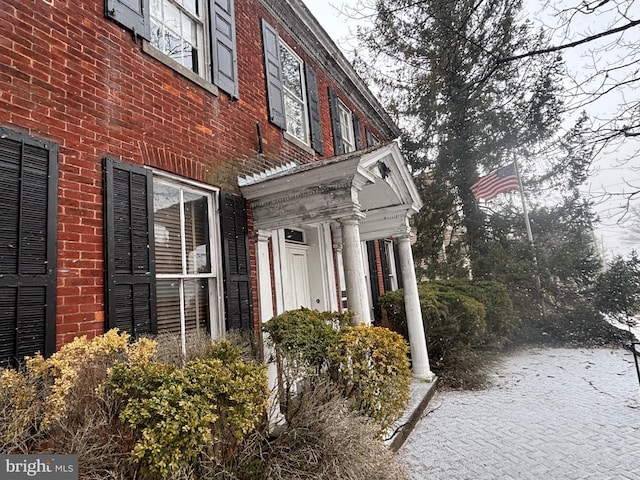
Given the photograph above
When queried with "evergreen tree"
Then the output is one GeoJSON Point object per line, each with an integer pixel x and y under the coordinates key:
{"type": "Point", "coordinates": [617, 290]}
{"type": "Point", "coordinates": [562, 224]}
{"type": "Point", "coordinates": [464, 113]}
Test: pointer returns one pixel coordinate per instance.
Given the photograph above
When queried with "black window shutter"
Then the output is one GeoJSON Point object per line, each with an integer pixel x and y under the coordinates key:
{"type": "Point", "coordinates": [314, 110]}
{"type": "Point", "coordinates": [384, 261]}
{"type": "Point", "coordinates": [236, 266]}
{"type": "Point", "coordinates": [223, 46]}
{"type": "Point", "coordinates": [129, 245]}
{"type": "Point", "coordinates": [273, 73]}
{"type": "Point", "coordinates": [396, 257]}
{"type": "Point", "coordinates": [28, 246]}
{"type": "Point", "coordinates": [334, 111]}
{"type": "Point", "coordinates": [369, 137]}
{"type": "Point", "coordinates": [131, 14]}
{"type": "Point", "coordinates": [357, 134]}
{"type": "Point", "coordinates": [373, 278]}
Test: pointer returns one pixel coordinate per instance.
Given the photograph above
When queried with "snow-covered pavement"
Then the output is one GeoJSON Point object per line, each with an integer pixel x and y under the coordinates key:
{"type": "Point", "coordinates": [549, 414]}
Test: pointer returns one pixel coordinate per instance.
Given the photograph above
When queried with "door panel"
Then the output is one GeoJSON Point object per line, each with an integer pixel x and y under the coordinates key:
{"type": "Point", "coordinates": [297, 295]}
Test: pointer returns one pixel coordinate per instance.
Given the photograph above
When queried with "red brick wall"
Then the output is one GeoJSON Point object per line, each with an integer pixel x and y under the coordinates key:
{"type": "Point", "coordinates": [70, 75]}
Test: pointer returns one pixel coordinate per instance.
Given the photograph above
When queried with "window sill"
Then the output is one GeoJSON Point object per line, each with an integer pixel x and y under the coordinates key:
{"type": "Point", "coordinates": [172, 64]}
{"type": "Point", "coordinates": [298, 143]}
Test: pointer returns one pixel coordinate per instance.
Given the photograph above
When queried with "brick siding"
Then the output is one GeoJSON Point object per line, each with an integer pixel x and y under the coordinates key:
{"type": "Point", "coordinates": [70, 75]}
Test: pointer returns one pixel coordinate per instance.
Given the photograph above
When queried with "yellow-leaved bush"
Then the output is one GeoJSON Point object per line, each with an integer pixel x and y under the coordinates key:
{"type": "Point", "coordinates": [178, 414]}
{"type": "Point", "coordinates": [85, 362]}
{"type": "Point", "coordinates": [372, 366]}
{"type": "Point", "coordinates": [41, 394]}
{"type": "Point", "coordinates": [20, 411]}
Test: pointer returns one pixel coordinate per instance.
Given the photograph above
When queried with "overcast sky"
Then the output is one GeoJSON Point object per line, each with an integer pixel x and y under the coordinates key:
{"type": "Point", "coordinates": [610, 177]}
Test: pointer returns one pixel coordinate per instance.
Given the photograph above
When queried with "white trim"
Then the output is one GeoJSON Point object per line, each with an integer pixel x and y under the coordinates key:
{"type": "Point", "coordinates": [186, 181]}
{"type": "Point", "coordinates": [297, 142]}
{"type": "Point", "coordinates": [263, 267]}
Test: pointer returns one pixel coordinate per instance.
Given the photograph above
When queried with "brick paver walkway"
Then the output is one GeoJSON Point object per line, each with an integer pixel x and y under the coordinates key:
{"type": "Point", "coordinates": [549, 414]}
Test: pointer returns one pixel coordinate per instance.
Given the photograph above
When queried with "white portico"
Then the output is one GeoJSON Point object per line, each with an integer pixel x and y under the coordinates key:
{"type": "Point", "coordinates": [305, 213]}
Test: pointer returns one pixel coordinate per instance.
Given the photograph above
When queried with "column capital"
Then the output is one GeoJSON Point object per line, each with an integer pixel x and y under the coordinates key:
{"type": "Point", "coordinates": [263, 235]}
{"type": "Point", "coordinates": [351, 219]}
{"type": "Point", "coordinates": [403, 233]}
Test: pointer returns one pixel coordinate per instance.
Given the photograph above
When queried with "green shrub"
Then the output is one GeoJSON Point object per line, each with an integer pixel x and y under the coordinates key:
{"type": "Point", "coordinates": [495, 298]}
{"type": "Point", "coordinates": [454, 325]}
{"type": "Point", "coordinates": [369, 363]}
{"type": "Point", "coordinates": [302, 337]}
{"type": "Point", "coordinates": [460, 314]}
{"type": "Point", "coordinates": [372, 366]}
{"type": "Point", "coordinates": [177, 414]}
{"type": "Point", "coordinates": [450, 317]}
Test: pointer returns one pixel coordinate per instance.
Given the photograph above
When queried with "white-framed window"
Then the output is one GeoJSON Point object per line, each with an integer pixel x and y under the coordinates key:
{"type": "Point", "coordinates": [178, 30]}
{"type": "Point", "coordinates": [187, 258]}
{"type": "Point", "coordinates": [294, 92]}
{"type": "Point", "coordinates": [346, 127]}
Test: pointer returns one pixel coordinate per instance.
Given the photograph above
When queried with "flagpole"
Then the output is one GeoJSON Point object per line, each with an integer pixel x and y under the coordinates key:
{"type": "Point", "coordinates": [530, 235]}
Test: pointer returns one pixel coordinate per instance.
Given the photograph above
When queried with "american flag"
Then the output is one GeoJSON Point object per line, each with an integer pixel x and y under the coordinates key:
{"type": "Point", "coordinates": [501, 180]}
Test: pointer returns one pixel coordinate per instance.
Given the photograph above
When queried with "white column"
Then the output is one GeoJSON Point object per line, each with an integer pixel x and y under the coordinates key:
{"type": "Point", "coordinates": [354, 275]}
{"type": "Point", "coordinates": [336, 238]}
{"type": "Point", "coordinates": [417, 339]}
{"type": "Point", "coordinates": [265, 300]}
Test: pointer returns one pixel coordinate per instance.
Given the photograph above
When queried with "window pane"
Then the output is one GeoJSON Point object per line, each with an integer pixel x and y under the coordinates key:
{"type": "Point", "coordinates": [196, 214]}
{"type": "Point", "coordinates": [171, 16]}
{"type": "Point", "coordinates": [156, 35]}
{"type": "Point", "coordinates": [156, 8]}
{"type": "Point", "coordinates": [296, 125]}
{"type": "Point", "coordinates": [191, 6]}
{"type": "Point", "coordinates": [168, 298]}
{"type": "Point", "coordinates": [196, 304]}
{"type": "Point", "coordinates": [188, 30]}
{"type": "Point", "coordinates": [173, 46]}
{"type": "Point", "coordinates": [291, 73]}
{"type": "Point", "coordinates": [166, 208]}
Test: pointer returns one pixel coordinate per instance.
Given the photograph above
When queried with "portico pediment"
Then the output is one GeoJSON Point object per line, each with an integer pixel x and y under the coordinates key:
{"type": "Point", "coordinates": [373, 184]}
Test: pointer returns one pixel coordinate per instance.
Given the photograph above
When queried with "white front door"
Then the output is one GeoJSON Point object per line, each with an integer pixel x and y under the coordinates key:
{"type": "Point", "coordinates": [297, 278]}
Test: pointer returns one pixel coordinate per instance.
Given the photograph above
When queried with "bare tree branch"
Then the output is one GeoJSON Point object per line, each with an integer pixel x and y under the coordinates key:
{"type": "Point", "coordinates": [557, 48]}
